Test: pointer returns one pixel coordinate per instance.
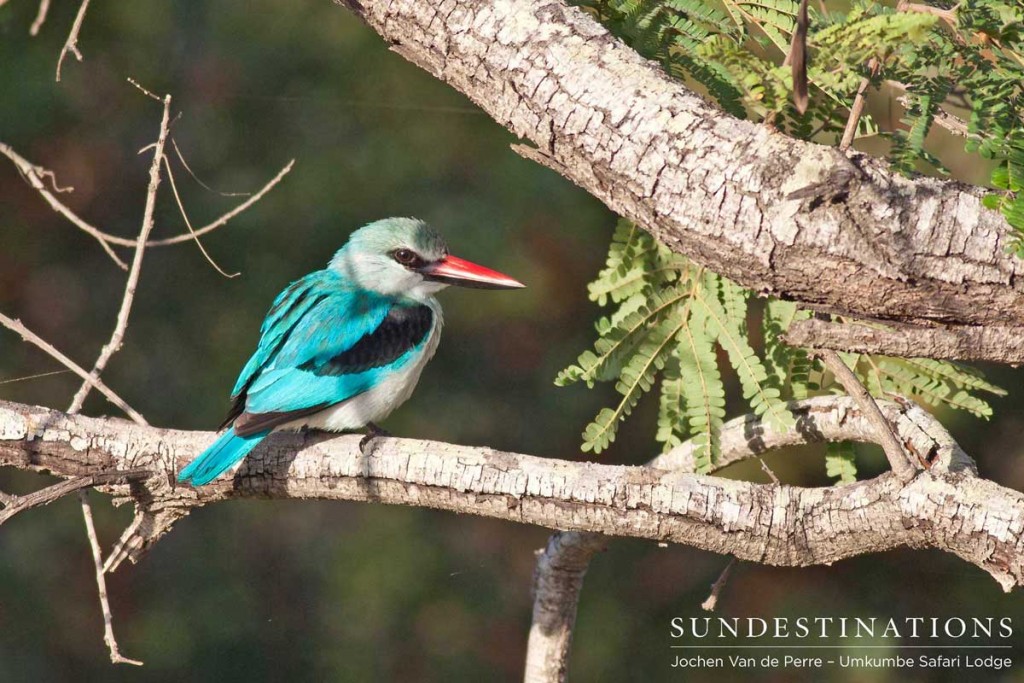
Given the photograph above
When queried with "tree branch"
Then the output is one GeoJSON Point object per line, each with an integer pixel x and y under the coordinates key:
{"type": "Point", "coordinates": [557, 583]}
{"type": "Point", "coordinates": [31, 337]}
{"type": "Point", "coordinates": [948, 507]}
{"type": "Point", "coordinates": [117, 336]}
{"type": "Point", "coordinates": [34, 176]}
{"type": "Point", "coordinates": [71, 44]}
{"type": "Point", "coordinates": [12, 505]}
{"type": "Point", "coordinates": [775, 214]}
{"type": "Point", "coordinates": [992, 343]}
{"type": "Point", "coordinates": [901, 466]}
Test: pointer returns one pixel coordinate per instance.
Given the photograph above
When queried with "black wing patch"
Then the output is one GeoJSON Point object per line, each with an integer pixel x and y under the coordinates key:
{"type": "Point", "coordinates": [252, 423]}
{"type": "Point", "coordinates": [403, 329]}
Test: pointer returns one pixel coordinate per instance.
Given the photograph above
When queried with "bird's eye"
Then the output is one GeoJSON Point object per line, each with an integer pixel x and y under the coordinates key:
{"type": "Point", "coordinates": [406, 257]}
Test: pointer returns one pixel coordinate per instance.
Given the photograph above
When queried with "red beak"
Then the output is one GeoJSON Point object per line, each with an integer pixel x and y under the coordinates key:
{"type": "Point", "coordinates": [452, 270]}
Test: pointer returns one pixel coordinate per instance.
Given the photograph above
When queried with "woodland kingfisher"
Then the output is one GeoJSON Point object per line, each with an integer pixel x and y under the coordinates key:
{"type": "Point", "coordinates": [344, 346]}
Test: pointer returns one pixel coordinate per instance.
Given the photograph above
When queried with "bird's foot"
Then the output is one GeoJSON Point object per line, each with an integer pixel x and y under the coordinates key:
{"type": "Point", "coordinates": [372, 432]}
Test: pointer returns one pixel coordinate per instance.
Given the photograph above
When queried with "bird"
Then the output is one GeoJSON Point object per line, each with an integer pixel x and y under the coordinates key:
{"type": "Point", "coordinates": [342, 347]}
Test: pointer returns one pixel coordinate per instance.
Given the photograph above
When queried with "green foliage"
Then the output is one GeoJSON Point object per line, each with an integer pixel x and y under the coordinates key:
{"type": "Point", "coordinates": [940, 62]}
{"type": "Point", "coordinates": [841, 462]}
{"type": "Point", "coordinates": [670, 318]}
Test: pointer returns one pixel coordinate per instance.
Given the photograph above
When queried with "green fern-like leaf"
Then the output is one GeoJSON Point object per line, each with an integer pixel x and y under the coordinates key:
{"type": "Point", "coordinates": [903, 378]}
{"type": "Point", "coordinates": [635, 379]}
{"type": "Point", "coordinates": [960, 375]}
{"type": "Point", "coordinates": [671, 406]}
{"type": "Point", "coordinates": [787, 366]}
{"type": "Point", "coordinates": [841, 461]}
{"type": "Point", "coordinates": [776, 18]}
{"type": "Point", "coordinates": [702, 387]}
{"type": "Point", "coordinates": [765, 400]}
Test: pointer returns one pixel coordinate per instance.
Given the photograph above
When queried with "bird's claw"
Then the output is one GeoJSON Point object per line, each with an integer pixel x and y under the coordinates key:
{"type": "Point", "coordinates": [372, 432]}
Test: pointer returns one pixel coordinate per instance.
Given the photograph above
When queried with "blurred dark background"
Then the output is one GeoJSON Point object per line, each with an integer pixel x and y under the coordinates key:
{"type": "Point", "coordinates": [260, 591]}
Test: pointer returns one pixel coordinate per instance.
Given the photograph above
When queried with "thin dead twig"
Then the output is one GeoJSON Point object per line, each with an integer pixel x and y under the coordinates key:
{"type": "Point", "coordinates": [44, 8]}
{"type": "Point", "coordinates": [767, 470]}
{"type": "Point", "coordinates": [34, 175]}
{"type": "Point", "coordinates": [117, 337]}
{"type": "Point", "coordinates": [898, 458]}
{"type": "Point", "coordinates": [178, 239]}
{"type": "Point", "coordinates": [31, 337]}
{"type": "Point", "coordinates": [181, 158]}
{"type": "Point", "coordinates": [35, 376]}
{"type": "Point", "coordinates": [716, 588]}
{"type": "Point", "coordinates": [954, 124]}
{"type": "Point", "coordinates": [109, 349]}
{"type": "Point", "coordinates": [188, 223]}
{"type": "Point", "coordinates": [97, 555]}
{"type": "Point", "coordinates": [946, 15]}
{"type": "Point", "coordinates": [71, 44]}
{"type": "Point", "coordinates": [857, 109]}
{"type": "Point", "coordinates": [13, 505]}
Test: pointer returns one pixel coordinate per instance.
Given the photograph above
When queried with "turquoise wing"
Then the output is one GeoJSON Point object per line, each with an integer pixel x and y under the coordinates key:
{"type": "Point", "coordinates": [325, 342]}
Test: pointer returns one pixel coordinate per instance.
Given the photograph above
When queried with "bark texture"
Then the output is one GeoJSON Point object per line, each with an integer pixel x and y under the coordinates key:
{"type": "Point", "coordinates": [777, 215]}
{"type": "Point", "coordinates": [992, 343]}
{"type": "Point", "coordinates": [948, 507]}
{"type": "Point", "coordinates": [557, 583]}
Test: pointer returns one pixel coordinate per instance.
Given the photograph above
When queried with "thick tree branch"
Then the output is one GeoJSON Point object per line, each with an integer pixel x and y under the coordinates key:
{"type": "Point", "coordinates": [947, 507]}
{"type": "Point", "coordinates": [775, 214]}
{"type": "Point", "coordinates": [993, 343]}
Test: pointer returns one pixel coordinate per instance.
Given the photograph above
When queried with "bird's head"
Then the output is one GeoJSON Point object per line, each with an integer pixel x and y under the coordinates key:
{"type": "Point", "coordinates": [405, 256]}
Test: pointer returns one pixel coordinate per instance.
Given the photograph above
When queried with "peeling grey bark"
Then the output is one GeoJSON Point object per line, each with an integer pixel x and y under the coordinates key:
{"type": "Point", "coordinates": [947, 507]}
{"type": "Point", "coordinates": [777, 215]}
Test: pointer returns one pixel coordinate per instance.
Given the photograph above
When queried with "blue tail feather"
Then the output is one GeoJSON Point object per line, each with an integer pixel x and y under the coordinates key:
{"type": "Point", "coordinates": [222, 454]}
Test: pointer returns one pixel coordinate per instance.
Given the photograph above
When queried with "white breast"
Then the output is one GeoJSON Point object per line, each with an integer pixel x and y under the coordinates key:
{"type": "Point", "coordinates": [376, 403]}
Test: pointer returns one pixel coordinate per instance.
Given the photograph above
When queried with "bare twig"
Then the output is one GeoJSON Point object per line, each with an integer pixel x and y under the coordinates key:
{"type": "Point", "coordinates": [108, 621]}
{"type": "Point", "coordinates": [44, 8]}
{"type": "Point", "coordinates": [34, 175]}
{"type": "Point", "coordinates": [28, 335]}
{"type": "Point", "coordinates": [716, 588]}
{"type": "Point", "coordinates": [797, 59]}
{"type": "Point", "coordinates": [16, 504]}
{"type": "Point", "coordinates": [121, 241]}
{"type": "Point", "coordinates": [188, 223]}
{"type": "Point", "coordinates": [25, 378]}
{"type": "Point", "coordinates": [109, 349]}
{"type": "Point", "coordinates": [181, 158]}
{"type": "Point", "coordinates": [117, 337]}
{"type": "Point", "coordinates": [151, 95]}
{"type": "Point", "coordinates": [71, 44]}
{"type": "Point", "coordinates": [767, 470]}
{"type": "Point", "coordinates": [898, 458]}
{"type": "Point", "coordinates": [857, 108]}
